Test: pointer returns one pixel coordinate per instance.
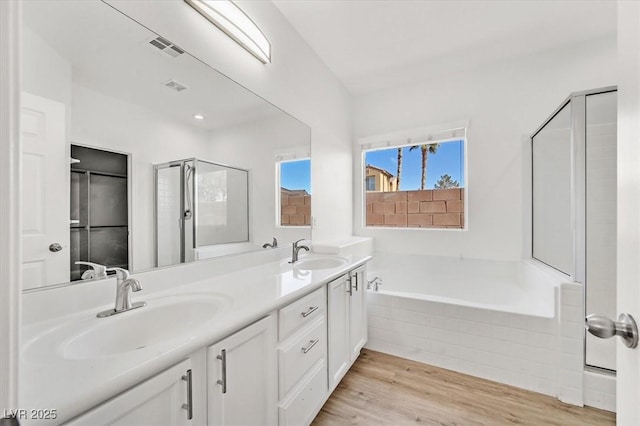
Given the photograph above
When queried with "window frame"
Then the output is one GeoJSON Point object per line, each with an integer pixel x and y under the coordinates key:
{"type": "Point", "coordinates": [278, 191]}
{"type": "Point", "coordinates": [409, 141]}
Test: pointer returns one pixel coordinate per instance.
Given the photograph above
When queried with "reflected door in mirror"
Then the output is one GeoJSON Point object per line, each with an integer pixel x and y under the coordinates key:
{"type": "Point", "coordinates": [45, 198]}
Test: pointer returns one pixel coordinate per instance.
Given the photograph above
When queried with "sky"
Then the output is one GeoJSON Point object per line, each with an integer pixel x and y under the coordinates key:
{"type": "Point", "coordinates": [448, 160]}
{"type": "Point", "coordinates": [296, 175]}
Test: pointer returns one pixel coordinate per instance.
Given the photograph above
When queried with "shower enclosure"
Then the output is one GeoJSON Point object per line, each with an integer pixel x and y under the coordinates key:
{"type": "Point", "coordinates": [198, 204]}
{"type": "Point", "coordinates": [574, 204]}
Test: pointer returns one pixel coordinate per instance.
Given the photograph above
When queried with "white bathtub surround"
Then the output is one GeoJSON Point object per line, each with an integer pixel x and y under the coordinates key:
{"type": "Point", "coordinates": [495, 320]}
{"type": "Point", "coordinates": [600, 390]}
{"type": "Point", "coordinates": [572, 334]}
{"type": "Point", "coordinates": [249, 286]}
{"type": "Point", "coordinates": [504, 347]}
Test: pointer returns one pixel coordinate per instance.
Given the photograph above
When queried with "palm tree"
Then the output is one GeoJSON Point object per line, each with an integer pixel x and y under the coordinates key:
{"type": "Point", "coordinates": [425, 149]}
{"type": "Point", "coordinates": [399, 170]}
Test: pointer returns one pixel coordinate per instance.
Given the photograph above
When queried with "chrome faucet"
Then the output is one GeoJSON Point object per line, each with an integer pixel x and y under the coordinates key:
{"type": "Point", "coordinates": [296, 249]}
{"type": "Point", "coordinates": [274, 244]}
{"type": "Point", "coordinates": [124, 287]}
{"type": "Point", "coordinates": [374, 284]}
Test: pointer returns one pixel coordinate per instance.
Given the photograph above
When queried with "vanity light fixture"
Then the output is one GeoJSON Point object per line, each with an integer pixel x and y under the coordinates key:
{"type": "Point", "coordinates": [227, 16]}
{"type": "Point", "coordinates": [198, 116]}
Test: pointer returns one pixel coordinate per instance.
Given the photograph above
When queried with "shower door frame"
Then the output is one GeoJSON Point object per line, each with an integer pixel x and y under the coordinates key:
{"type": "Point", "coordinates": [578, 140]}
{"type": "Point", "coordinates": [167, 165]}
{"type": "Point", "coordinates": [194, 192]}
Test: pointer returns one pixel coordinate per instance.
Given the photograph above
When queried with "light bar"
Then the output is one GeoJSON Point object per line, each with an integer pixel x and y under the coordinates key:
{"type": "Point", "coordinates": [227, 16]}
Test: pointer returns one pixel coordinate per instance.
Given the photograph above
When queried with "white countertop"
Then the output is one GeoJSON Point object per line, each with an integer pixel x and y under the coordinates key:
{"type": "Point", "coordinates": [72, 386]}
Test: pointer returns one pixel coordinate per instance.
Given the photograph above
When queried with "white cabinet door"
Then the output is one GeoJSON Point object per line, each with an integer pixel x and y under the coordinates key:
{"type": "Point", "coordinates": [338, 318]}
{"type": "Point", "coordinates": [357, 312]}
{"type": "Point", "coordinates": [157, 401]}
{"type": "Point", "coordinates": [242, 377]}
{"type": "Point", "coordinates": [45, 183]}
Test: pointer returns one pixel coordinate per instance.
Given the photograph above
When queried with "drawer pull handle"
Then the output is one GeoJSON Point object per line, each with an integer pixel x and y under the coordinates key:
{"type": "Point", "coordinates": [189, 405]}
{"type": "Point", "coordinates": [223, 382]}
{"type": "Point", "coordinates": [311, 310]}
{"type": "Point", "coordinates": [312, 343]}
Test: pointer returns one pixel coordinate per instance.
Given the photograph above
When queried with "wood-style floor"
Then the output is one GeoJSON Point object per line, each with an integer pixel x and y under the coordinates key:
{"type": "Point", "coordinates": [382, 389]}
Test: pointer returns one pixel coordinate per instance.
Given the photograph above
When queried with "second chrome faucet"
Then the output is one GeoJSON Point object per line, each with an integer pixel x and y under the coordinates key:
{"type": "Point", "coordinates": [296, 250]}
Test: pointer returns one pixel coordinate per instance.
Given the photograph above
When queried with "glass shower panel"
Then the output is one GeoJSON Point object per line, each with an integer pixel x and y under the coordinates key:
{"type": "Point", "coordinates": [222, 204]}
{"type": "Point", "coordinates": [169, 215]}
{"type": "Point", "coordinates": [552, 197]}
{"type": "Point", "coordinates": [601, 183]}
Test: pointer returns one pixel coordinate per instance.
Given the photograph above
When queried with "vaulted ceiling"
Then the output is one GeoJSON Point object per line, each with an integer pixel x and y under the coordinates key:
{"type": "Point", "coordinates": [373, 45]}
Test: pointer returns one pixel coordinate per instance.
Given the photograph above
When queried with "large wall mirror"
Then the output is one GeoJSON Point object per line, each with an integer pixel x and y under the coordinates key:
{"type": "Point", "coordinates": [139, 155]}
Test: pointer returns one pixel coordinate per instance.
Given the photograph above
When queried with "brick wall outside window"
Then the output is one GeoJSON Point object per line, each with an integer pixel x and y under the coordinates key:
{"type": "Point", "coordinates": [295, 210]}
{"type": "Point", "coordinates": [431, 208]}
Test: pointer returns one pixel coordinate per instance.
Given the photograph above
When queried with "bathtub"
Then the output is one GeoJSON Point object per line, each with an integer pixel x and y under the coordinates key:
{"type": "Point", "coordinates": [516, 287]}
{"type": "Point", "coordinates": [490, 319]}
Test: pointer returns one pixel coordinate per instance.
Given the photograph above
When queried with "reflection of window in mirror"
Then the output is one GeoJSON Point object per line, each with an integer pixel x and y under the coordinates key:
{"type": "Point", "coordinates": [293, 178]}
{"type": "Point", "coordinates": [416, 185]}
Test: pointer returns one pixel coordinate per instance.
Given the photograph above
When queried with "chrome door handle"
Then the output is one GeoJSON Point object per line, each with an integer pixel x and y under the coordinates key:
{"type": "Point", "coordinates": [312, 343]}
{"type": "Point", "coordinates": [311, 310]}
{"type": "Point", "coordinates": [223, 382]}
{"type": "Point", "coordinates": [189, 405]}
{"type": "Point", "coordinates": [55, 247]}
{"type": "Point", "coordinates": [603, 327]}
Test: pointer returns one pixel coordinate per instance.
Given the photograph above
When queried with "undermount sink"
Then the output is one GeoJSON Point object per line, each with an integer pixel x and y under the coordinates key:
{"type": "Point", "coordinates": [162, 320]}
{"type": "Point", "coordinates": [141, 328]}
{"type": "Point", "coordinates": [314, 263]}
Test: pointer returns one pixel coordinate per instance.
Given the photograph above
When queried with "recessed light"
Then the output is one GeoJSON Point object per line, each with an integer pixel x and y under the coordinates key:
{"type": "Point", "coordinates": [198, 116]}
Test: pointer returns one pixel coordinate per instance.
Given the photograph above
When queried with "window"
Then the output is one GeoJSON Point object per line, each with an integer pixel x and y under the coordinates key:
{"type": "Point", "coordinates": [416, 185]}
{"type": "Point", "coordinates": [294, 183]}
{"type": "Point", "coordinates": [371, 183]}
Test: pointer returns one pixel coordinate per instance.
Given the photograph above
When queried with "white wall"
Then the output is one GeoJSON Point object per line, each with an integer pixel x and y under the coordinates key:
{"type": "Point", "coordinates": [296, 81]}
{"type": "Point", "coordinates": [504, 102]}
{"type": "Point", "coordinates": [254, 146]}
{"type": "Point", "coordinates": [149, 138]}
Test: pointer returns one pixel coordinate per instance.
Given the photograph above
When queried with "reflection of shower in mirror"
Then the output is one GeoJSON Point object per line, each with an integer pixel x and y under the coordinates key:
{"type": "Point", "coordinates": [199, 206]}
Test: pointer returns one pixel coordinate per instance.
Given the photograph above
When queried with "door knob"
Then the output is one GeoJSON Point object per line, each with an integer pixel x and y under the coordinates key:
{"type": "Point", "coordinates": [55, 247]}
{"type": "Point", "coordinates": [603, 327]}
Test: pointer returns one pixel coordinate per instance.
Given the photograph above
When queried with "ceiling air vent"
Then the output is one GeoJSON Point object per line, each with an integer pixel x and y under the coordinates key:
{"type": "Point", "coordinates": [161, 44]}
{"type": "Point", "coordinates": [175, 85]}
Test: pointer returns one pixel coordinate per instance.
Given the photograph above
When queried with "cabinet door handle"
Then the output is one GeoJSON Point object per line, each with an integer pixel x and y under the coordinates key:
{"type": "Point", "coordinates": [311, 310]}
{"type": "Point", "coordinates": [223, 382]}
{"type": "Point", "coordinates": [189, 405]}
{"type": "Point", "coordinates": [355, 278]}
{"type": "Point", "coordinates": [312, 343]}
{"type": "Point", "coordinates": [349, 288]}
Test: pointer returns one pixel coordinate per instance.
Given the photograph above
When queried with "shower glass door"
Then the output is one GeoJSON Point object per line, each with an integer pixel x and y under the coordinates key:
{"type": "Point", "coordinates": [222, 204]}
{"type": "Point", "coordinates": [552, 192]}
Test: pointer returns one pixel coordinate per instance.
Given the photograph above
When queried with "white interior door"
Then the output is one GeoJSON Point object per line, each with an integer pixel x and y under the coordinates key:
{"type": "Point", "coordinates": [628, 234]}
{"type": "Point", "coordinates": [45, 192]}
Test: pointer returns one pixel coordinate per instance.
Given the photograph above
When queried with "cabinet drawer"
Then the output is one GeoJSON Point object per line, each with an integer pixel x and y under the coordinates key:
{"type": "Point", "coordinates": [301, 312]}
{"type": "Point", "coordinates": [303, 406]}
{"type": "Point", "coordinates": [300, 354]}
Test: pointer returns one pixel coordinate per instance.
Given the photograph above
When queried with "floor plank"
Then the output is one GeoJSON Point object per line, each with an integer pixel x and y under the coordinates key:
{"type": "Point", "coordinates": [381, 389]}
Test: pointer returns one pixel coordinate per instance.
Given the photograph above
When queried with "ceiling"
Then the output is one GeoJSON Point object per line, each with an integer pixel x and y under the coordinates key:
{"type": "Point", "coordinates": [375, 45]}
{"type": "Point", "coordinates": [111, 53]}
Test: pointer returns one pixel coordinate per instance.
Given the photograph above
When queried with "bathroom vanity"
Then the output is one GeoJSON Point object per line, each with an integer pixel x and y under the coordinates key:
{"type": "Point", "coordinates": [264, 344]}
